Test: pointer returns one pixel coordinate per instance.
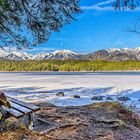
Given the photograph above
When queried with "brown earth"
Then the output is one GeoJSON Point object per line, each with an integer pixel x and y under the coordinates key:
{"type": "Point", "coordinates": [101, 121]}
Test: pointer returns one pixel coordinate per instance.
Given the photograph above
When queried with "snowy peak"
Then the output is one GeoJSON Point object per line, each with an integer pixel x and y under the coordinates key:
{"type": "Point", "coordinates": [8, 55]}
{"type": "Point", "coordinates": [115, 54]}
{"type": "Point", "coordinates": [23, 55]}
{"type": "Point", "coordinates": [63, 54]}
{"type": "Point", "coordinates": [59, 55]}
{"type": "Point", "coordinates": [124, 50]}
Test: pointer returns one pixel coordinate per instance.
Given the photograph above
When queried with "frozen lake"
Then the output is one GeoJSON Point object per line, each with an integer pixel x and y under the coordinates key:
{"type": "Point", "coordinates": [43, 86]}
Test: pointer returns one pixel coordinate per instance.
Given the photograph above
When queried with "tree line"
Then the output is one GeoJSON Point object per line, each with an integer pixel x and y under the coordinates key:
{"type": "Point", "coordinates": [68, 65]}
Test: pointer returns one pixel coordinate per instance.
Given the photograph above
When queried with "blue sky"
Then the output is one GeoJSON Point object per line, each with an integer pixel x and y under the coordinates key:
{"type": "Point", "coordinates": [97, 27]}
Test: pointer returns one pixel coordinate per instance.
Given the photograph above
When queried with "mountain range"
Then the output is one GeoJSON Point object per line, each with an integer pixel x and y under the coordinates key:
{"type": "Point", "coordinates": [114, 54]}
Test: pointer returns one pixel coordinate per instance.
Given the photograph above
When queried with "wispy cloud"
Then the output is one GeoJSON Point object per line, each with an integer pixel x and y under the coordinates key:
{"type": "Point", "coordinates": [100, 6]}
{"type": "Point", "coordinates": [37, 50]}
{"type": "Point", "coordinates": [119, 43]}
{"type": "Point", "coordinates": [105, 2]}
{"type": "Point", "coordinates": [106, 5]}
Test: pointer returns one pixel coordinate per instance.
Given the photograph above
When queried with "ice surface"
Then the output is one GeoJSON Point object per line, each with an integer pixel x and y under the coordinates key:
{"type": "Point", "coordinates": [43, 87]}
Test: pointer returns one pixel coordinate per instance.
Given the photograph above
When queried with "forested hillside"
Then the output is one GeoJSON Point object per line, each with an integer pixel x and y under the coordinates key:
{"type": "Point", "coordinates": [67, 65]}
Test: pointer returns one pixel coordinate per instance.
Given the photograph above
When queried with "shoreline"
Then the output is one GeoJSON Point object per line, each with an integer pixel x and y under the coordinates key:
{"type": "Point", "coordinates": [72, 71]}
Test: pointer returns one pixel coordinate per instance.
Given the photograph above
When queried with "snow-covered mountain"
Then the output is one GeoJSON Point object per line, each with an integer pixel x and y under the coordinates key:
{"type": "Point", "coordinates": [59, 55]}
{"type": "Point", "coordinates": [125, 53]}
{"type": "Point", "coordinates": [114, 54]}
{"type": "Point", "coordinates": [9, 55]}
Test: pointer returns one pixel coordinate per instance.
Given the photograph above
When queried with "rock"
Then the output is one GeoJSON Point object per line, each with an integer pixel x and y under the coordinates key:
{"type": "Point", "coordinates": [97, 98]}
{"type": "Point", "coordinates": [124, 98]}
{"type": "Point", "coordinates": [109, 98]}
{"type": "Point", "coordinates": [76, 96]}
{"type": "Point", "coordinates": [60, 94]}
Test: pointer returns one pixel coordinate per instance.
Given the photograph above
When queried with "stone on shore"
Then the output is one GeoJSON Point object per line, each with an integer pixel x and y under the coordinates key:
{"type": "Point", "coordinates": [97, 98]}
{"type": "Point", "coordinates": [109, 98]}
{"type": "Point", "coordinates": [76, 96]}
{"type": "Point", "coordinates": [124, 98]}
{"type": "Point", "coordinates": [60, 94]}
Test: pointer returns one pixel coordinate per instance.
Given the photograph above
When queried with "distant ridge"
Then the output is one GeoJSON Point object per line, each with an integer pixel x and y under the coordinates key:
{"type": "Point", "coordinates": [114, 54]}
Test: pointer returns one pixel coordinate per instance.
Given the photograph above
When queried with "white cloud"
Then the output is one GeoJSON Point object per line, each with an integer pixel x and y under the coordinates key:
{"type": "Point", "coordinates": [100, 6]}
{"type": "Point", "coordinates": [105, 2]}
{"type": "Point", "coordinates": [119, 43]}
{"type": "Point", "coordinates": [37, 50]}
